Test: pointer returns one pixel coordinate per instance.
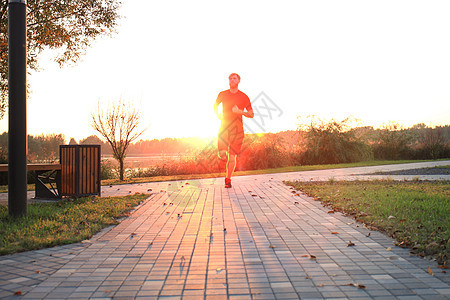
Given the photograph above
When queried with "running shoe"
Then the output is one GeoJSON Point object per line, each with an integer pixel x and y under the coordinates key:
{"type": "Point", "coordinates": [227, 183]}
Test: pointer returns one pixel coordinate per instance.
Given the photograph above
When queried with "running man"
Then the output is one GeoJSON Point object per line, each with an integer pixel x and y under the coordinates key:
{"type": "Point", "coordinates": [235, 104]}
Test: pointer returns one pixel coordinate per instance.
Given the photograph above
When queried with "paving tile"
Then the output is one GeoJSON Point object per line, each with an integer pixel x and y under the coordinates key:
{"type": "Point", "coordinates": [263, 254]}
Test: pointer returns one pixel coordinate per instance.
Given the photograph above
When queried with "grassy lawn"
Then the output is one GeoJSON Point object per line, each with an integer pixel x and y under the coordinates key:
{"type": "Point", "coordinates": [63, 222]}
{"type": "Point", "coordinates": [416, 214]}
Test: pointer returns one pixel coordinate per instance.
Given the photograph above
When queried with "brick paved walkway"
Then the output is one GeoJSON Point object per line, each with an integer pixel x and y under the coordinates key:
{"type": "Point", "coordinates": [196, 240]}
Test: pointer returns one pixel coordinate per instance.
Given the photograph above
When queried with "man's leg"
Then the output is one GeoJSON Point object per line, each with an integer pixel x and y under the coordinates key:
{"type": "Point", "coordinates": [231, 165]}
{"type": "Point", "coordinates": [222, 145]}
{"type": "Point", "coordinates": [234, 149]}
{"type": "Point", "coordinates": [223, 155]}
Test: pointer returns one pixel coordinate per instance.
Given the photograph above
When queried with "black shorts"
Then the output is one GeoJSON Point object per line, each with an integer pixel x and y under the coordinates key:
{"type": "Point", "coordinates": [230, 139]}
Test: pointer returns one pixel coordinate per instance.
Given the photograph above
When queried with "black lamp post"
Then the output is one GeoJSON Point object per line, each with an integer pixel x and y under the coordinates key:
{"type": "Point", "coordinates": [17, 131]}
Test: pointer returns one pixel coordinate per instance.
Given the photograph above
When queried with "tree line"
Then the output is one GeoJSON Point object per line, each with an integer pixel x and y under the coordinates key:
{"type": "Point", "coordinates": [314, 143]}
{"type": "Point", "coordinates": [338, 142]}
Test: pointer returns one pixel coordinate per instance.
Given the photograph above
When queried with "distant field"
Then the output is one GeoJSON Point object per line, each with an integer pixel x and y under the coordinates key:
{"type": "Point", "coordinates": [146, 160]}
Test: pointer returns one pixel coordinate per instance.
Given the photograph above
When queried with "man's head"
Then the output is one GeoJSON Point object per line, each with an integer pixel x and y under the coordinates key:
{"type": "Point", "coordinates": [234, 80]}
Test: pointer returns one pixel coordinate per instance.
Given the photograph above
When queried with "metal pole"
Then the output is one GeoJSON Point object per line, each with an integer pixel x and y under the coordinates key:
{"type": "Point", "coordinates": [17, 131]}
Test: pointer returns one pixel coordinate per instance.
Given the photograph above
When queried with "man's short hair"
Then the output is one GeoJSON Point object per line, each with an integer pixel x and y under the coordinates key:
{"type": "Point", "coordinates": [239, 77]}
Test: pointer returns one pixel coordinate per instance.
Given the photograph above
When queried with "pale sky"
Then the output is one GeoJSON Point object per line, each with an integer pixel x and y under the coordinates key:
{"type": "Point", "coordinates": [378, 61]}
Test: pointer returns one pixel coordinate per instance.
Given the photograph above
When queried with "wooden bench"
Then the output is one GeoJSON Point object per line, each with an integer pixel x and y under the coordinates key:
{"type": "Point", "coordinates": [77, 175]}
{"type": "Point", "coordinates": [48, 179]}
{"type": "Point", "coordinates": [34, 167]}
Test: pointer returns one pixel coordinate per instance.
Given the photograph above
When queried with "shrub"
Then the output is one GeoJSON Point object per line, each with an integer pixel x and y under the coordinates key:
{"type": "Point", "coordinates": [392, 142]}
{"type": "Point", "coordinates": [432, 144]}
{"type": "Point", "coordinates": [262, 152]}
{"type": "Point", "coordinates": [107, 169]}
{"type": "Point", "coordinates": [332, 142]}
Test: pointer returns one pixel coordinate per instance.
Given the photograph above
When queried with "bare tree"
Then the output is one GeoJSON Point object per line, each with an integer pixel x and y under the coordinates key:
{"type": "Point", "coordinates": [118, 124]}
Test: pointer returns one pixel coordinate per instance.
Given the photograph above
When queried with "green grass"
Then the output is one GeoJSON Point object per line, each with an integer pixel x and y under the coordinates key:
{"type": "Point", "coordinates": [63, 222]}
{"type": "Point", "coordinates": [416, 214]}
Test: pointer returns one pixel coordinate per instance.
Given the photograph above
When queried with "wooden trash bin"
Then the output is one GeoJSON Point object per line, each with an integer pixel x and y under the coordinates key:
{"type": "Point", "coordinates": [80, 170]}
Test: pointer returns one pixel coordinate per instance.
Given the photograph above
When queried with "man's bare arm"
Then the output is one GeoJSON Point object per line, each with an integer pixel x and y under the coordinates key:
{"type": "Point", "coordinates": [249, 113]}
{"type": "Point", "coordinates": [216, 110]}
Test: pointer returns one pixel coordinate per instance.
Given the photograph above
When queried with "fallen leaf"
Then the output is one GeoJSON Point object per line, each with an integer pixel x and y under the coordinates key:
{"type": "Point", "coordinates": [18, 293]}
{"type": "Point", "coordinates": [350, 244]}
{"type": "Point", "coordinates": [149, 190]}
{"type": "Point", "coordinates": [334, 232]}
{"type": "Point", "coordinates": [402, 220]}
{"type": "Point", "coordinates": [296, 202]}
{"type": "Point", "coordinates": [430, 271]}
{"type": "Point", "coordinates": [391, 217]}
{"type": "Point", "coordinates": [38, 272]}
{"type": "Point", "coordinates": [271, 246]}
{"type": "Point", "coordinates": [331, 211]}
{"type": "Point", "coordinates": [224, 229]}
{"type": "Point", "coordinates": [253, 195]}
{"type": "Point", "coordinates": [107, 291]}
{"type": "Point", "coordinates": [368, 234]}
{"type": "Point", "coordinates": [388, 249]}
{"type": "Point", "coordinates": [432, 245]}
{"type": "Point", "coordinates": [312, 257]}
{"type": "Point", "coordinates": [443, 267]}
{"type": "Point", "coordinates": [165, 203]}
{"type": "Point", "coordinates": [305, 255]}
{"type": "Point", "coordinates": [360, 286]}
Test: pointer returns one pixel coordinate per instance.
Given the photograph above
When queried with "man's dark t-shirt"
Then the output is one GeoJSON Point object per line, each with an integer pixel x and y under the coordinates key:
{"type": "Point", "coordinates": [229, 100]}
